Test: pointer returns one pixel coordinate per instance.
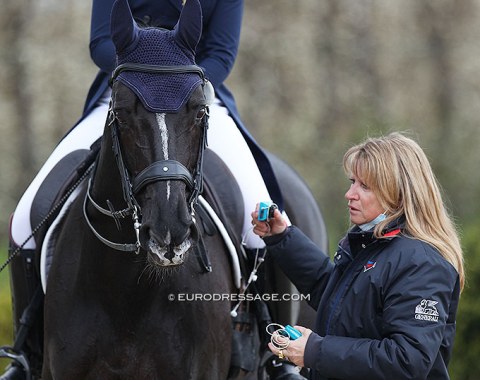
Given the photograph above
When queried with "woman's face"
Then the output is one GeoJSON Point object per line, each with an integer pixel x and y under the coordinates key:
{"type": "Point", "coordinates": [362, 202]}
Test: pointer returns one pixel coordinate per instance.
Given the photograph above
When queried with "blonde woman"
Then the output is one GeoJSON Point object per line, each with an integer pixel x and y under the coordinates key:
{"type": "Point", "coordinates": [386, 305]}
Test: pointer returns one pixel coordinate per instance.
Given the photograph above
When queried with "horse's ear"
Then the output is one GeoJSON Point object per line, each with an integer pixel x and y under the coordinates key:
{"type": "Point", "coordinates": [189, 26]}
{"type": "Point", "coordinates": [123, 29]}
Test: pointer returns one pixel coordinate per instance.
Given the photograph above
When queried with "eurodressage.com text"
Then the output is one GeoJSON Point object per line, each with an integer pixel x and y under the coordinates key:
{"type": "Point", "coordinates": [216, 297]}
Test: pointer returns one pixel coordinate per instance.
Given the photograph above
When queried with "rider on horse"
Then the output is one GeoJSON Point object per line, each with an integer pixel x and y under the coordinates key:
{"type": "Point", "coordinates": [227, 137]}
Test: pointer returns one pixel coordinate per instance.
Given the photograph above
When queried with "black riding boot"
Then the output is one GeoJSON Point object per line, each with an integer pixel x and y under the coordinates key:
{"type": "Point", "coordinates": [27, 303]}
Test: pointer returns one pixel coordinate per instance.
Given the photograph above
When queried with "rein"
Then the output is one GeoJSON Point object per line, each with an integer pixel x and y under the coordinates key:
{"type": "Point", "coordinates": [163, 170]}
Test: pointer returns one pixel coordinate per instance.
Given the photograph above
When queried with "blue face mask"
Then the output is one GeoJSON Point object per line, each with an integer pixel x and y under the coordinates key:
{"type": "Point", "coordinates": [368, 226]}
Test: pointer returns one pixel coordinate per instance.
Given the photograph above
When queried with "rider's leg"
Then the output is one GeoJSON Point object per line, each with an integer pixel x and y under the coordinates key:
{"type": "Point", "coordinates": [81, 137]}
{"type": "Point", "coordinates": [225, 139]}
{"type": "Point", "coordinates": [26, 351]}
{"type": "Point", "coordinates": [24, 278]}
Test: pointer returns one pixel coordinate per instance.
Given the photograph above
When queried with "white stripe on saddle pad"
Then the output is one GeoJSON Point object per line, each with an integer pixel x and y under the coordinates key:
{"type": "Point", "coordinates": [50, 239]}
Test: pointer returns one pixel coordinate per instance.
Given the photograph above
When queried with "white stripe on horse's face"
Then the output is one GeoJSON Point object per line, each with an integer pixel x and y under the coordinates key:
{"type": "Point", "coordinates": [164, 136]}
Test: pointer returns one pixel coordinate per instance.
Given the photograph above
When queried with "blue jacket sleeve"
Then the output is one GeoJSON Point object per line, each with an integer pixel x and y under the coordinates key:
{"type": "Point", "coordinates": [102, 50]}
{"type": "Point", "coordinates": [303, 262]}
{"type": "Point", "coordinates": [216, 51]}
{"type": "Point", "coordinates": [218, 48]}
{"type": "Point", "coordinates": [412, 344]}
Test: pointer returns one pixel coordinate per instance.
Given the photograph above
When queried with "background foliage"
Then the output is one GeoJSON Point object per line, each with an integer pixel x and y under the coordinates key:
{"type": "Point", "coordinates": [5, 310]}
{"type": "Point", "coordinates": [312, 78]}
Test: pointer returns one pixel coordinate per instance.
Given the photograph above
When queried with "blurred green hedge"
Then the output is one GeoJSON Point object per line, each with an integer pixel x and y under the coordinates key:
{"type": "Point", "coordinates": [465, 363]}
{"type": "Point", "coordinates": [5, 306]}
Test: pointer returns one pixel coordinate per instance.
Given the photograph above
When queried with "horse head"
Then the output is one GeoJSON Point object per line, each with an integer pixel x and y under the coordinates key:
{"type": "Point", "coordinates": [158, 123]}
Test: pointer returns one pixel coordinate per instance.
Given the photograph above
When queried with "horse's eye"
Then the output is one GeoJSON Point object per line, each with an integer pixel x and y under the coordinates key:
{"type": "Point", "coordinates": [201, 113]}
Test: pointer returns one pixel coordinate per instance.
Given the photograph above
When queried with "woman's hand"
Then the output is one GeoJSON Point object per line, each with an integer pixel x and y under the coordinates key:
{"type": "Point", "coordinates": [273, 226]}
{"type": "Point", "coordinates": [296, 348]}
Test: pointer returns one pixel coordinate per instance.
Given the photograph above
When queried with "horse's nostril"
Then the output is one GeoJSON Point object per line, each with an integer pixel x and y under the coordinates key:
{"type": "Point", "coordinates": [181, 237]}
{"type": "Point", "coordinates": [149, 234]}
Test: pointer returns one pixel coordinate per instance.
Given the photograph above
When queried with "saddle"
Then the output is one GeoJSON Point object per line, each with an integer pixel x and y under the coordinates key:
{"type": "Point", "coordinates": [56, 186]}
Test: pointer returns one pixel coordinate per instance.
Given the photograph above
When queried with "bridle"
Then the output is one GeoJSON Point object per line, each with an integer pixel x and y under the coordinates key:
{"type": "Point", "coordinates": [163, 170]}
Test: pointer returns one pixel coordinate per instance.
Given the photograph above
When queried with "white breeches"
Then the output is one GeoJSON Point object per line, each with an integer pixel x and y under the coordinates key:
{"type": "Point", "coordinates": [81, 137]}
{"type": "Point", "coordinates": [224, 138]}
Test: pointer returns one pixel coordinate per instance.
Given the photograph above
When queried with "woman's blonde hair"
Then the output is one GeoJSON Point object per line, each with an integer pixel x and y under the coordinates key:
{"type": "Point", "coordinates": [397, 170]}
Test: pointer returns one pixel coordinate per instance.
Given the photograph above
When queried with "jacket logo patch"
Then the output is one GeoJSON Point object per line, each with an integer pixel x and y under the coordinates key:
{"type": "Point", "coordinates": [426, 311]}
{"type": "Point", "coordinates": [369, 265]}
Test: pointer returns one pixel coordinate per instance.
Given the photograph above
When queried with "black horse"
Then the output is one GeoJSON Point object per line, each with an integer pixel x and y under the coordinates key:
{"type": "Point", "coordinates": [134, 243]}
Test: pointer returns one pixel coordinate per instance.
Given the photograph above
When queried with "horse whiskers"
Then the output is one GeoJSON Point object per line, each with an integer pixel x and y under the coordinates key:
{"type": "Point", "coordinates": [141, 274]}
{"type": "Point", "coordinates": [156, 274]}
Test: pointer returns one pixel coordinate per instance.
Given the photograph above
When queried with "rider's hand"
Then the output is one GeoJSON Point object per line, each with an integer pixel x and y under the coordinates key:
{"type": "Point", "coordinates": [274, 226]}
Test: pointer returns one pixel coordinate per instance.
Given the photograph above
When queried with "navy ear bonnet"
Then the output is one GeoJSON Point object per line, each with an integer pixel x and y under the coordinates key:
{"type": "Point", "coordinates": [159, 92]}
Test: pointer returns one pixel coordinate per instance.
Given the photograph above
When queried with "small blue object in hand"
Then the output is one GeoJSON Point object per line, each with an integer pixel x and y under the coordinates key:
{"type": "Point", "coordinates": [266, 210]}
{"type": "Point", "coordinates": [293, 333]}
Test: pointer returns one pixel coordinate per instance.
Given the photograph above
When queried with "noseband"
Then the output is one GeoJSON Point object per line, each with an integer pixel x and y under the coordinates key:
{"type": "Point", "coordinates": [163, 170]}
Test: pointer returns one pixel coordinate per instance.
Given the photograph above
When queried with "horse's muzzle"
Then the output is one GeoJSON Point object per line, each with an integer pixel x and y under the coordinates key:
{"type": "Point", "coordinates": [169, 255]}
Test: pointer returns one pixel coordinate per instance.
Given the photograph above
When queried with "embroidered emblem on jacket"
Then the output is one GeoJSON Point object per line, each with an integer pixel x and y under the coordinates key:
{"type": "Point", "coordinates": [426, 311]}
{"type": "Point", "coordinates": [369, 265]}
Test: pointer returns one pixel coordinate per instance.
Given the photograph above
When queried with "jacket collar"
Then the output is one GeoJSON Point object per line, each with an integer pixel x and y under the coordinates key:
{"type": "Point", "coordinates": [356, 239]}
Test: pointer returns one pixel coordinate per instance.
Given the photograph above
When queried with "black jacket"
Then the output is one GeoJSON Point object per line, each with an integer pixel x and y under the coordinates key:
{"type": "Point", "coordinates": [385, 307]}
